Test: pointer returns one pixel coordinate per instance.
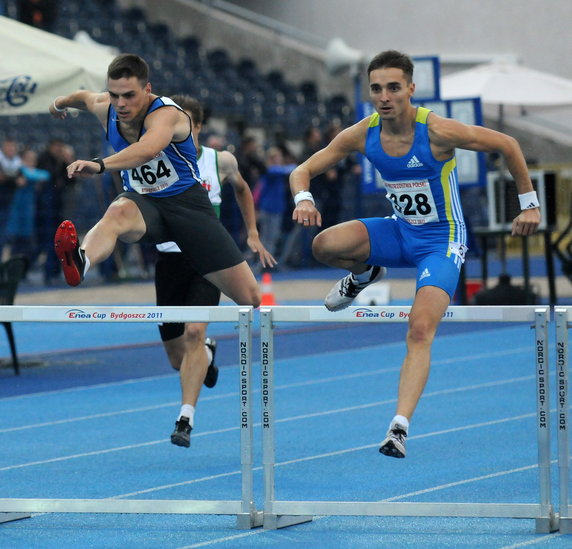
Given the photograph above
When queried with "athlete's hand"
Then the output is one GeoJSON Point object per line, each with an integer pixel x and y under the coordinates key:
{"type": "Point", "coordinates": [60, 114]}
{"type": "Point", "coordinates": [83, 168]}
{"type": "Point", "coordinates": [306, 214]}
{"type": "Point", "coordinates": [526, 223]}
{"type": "Point", "coordinates": [265, 257]}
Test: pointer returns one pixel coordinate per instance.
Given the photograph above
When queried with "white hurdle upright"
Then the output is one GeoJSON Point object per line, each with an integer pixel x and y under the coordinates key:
{"type": "Point", "coordinates": [278, 514]}
{"type": "Point", "coordinates": [243, 508]}
{"type": "Point", "coordinates": [563, 316]}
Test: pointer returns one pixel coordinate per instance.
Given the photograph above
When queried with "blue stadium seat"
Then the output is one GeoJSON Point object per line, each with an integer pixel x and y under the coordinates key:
{"type": "Point", "coordinates": [182, 65]}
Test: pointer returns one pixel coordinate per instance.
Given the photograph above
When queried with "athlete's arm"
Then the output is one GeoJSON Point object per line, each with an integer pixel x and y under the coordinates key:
{"type": "Point", "coordinates": [229, 173]}
{"type": "Point", "coordinates": [160, 127]}
{"type": "Point", "coordinates": [447, 134]}
{"type": "Point", "coordinates": [93, 102]}
{"type": "Point", "coordinates": [348, 141]}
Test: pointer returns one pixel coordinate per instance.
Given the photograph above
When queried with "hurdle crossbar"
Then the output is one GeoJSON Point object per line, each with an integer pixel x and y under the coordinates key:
{"type": "Point", "coordinates": [563, 316]}
{"type": "Point", "coordinates": [244, 508]}
{"type": "Point", "coordinates": [278, 514]}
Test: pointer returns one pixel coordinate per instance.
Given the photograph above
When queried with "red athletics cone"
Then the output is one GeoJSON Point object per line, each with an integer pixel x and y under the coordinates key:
{"type": "Point", "coordinates": [267, 295]}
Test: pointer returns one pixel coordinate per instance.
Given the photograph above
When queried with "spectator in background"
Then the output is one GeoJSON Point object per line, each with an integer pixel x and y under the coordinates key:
{"type": "Point", "coordinates": [216, 142]}
{"type": "Point", "coordinates": [54, 160]}
{"type": "Point", "coordinates": [250, 163]}
{"type": "Point", "coordinates": [273, 198]}
{"type": "Point", "coordinates": [297, 249]}
{"type": "Point", "coordinates": [38, 13]}
{"type": "Point", "coordinates": [10, 164]}
{"type": "Point", "coordinates": [20, 228]}
{"type": "Point", "coordinates": [69, 192]}
{"type": "Point", "coordinates": [340, 205]}
{"type": "Point", "coordinates": [313, 142]}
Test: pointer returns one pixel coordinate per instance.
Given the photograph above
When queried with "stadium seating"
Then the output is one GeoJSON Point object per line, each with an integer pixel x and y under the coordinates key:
{"type": "Point", "coordinates": [235, 91]}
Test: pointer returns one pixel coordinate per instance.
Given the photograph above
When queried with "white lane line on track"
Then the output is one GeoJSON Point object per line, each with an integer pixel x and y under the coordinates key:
{"type": "Point", "coordinates": [203, 400]}
{"type": "Point", "coordinates": [285, 420]}
{"type": "Point", "coordinates": [229, 395]}
{"type": "Point", "coordinates": [535, 541]}
{"type": "Point", "coordinates": [88, 387]}
{"type": "Point", "coordinates": [222, 540]}
{"type": "Point", "coordinates": [397, 498]}
{"type": "Point", "coordinates": [167, 375]}
{"type": "Point", "coordinates": [257, 364]}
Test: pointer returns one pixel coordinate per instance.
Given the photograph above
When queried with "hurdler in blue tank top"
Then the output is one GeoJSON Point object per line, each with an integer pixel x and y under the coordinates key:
{"type": "Point", "coordinates": [172, 172]}
{"type": "Point", "coordinates": [423, 191]}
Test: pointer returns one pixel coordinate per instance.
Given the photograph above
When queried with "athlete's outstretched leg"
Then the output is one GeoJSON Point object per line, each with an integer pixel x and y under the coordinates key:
{"type": "Point", "coordinates": [122, 220]}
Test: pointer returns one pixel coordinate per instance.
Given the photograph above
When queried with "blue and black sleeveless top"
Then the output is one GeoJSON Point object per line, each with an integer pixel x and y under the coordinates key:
{"type": "Point", "coordinates": [173, 171]}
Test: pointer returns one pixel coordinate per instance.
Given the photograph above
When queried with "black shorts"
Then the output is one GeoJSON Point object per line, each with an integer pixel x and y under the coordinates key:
{"type": "Point", "coordinates": [189, 219]}
{"type": "Point", "coordinates": [177, 283]}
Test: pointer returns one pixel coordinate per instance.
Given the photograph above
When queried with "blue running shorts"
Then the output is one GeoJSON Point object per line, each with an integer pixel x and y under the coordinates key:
{"type": "Point", "coordinates": [396, 243]}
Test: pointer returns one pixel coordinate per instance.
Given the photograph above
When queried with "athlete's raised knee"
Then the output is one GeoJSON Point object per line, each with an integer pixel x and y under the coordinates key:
{"type": "Point", "coordinates": [125, 219]}
{"type": "Point", "coordinates": [323, 247]}
{"type": "Point", "coordinates": [254, 297]}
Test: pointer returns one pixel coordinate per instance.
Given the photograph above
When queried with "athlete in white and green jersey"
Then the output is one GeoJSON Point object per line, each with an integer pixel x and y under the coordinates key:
{"type": "Point", "coordinates": [177, 283]}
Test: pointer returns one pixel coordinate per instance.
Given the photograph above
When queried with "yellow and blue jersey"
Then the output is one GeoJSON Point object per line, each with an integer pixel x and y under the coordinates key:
{"type": "Point", "coordinates": [423, 191]}
{"type": "Point", "coordinates": [427, 229]}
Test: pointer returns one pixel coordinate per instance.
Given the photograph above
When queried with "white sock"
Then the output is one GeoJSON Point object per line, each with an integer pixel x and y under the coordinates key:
{"type": "Point", "coordinates": [209, 354]}
{"type": "Point", "coordinates": [365, 276]}
{"type": "Point", "coordinates": [187, 411]}
{"type": "Point", "coordinates": [87, 264]}
{"type": "Point", "coordinates": [402, 420]}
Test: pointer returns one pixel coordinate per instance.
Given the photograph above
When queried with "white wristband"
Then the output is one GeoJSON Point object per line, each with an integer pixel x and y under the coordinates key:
{"type": "Point", "coordinates": [303, 195]}
{"type": "Point", "coordinates": [528, 200]}
{"type": "Point", "coordinates": [56, 108]}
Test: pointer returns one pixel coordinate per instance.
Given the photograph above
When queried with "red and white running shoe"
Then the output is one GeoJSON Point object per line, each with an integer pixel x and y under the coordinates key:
{"type": "Point", "coordinates": [71, 256]}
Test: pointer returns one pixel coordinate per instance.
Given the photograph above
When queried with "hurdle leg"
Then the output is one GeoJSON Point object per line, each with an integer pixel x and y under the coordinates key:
{"type": "Point", "coordinates": [546, 522]}
{"type": "Point", "coordinates": [9, 517]}
{"type": "Point", "coordinates": [249, 517]}
{"type": "Point", "coordinates": [562, 406]}
{"type": "Point", "coordinates": [271, 521]}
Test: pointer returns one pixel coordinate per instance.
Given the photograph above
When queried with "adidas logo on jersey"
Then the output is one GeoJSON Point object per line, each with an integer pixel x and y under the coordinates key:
{"type": "Point", "coordinates": [414, 162]}
{"type": "Point", "coordinates": [425, 274]}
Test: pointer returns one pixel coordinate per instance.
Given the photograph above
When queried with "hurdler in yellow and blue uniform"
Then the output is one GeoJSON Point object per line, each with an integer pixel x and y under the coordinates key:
{"type": "Point", "coordinates": [427, 229]}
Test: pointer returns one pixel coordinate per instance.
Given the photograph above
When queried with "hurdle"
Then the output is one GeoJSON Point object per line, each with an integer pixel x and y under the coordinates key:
{"type": "Point", "coordinates": [562, 316]}
{"type": "Point", "coordinates": [244, 508]}
{"type": "Point", "coordinates": [279, 514]}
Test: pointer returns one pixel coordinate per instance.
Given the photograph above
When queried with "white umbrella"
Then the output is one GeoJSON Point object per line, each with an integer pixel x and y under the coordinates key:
{"type": "Point", "coordinates": [37, 66]}
{"type": "Point", "coordinates": [515, 93]}
{"type": "Point", "coordinates": [508, 84]}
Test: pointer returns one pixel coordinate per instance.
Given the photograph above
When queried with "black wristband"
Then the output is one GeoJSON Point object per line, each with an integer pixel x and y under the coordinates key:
{"type": "Point", "coordinates": [101, 164]}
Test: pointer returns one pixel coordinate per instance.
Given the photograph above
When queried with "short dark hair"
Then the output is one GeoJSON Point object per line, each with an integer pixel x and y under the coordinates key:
{"type": "Point", "coordinates": [392, 59]}
{"type": "Point", "coordinates": [192, 105]}
{"type": "Point", "coordinates": [127, 65]}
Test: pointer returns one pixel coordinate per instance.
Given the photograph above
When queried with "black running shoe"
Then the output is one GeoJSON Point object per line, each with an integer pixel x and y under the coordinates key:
{"type": "Point", "coordinates": [182, 434]}
{"type": "Point", "coordinates": [212, 373]}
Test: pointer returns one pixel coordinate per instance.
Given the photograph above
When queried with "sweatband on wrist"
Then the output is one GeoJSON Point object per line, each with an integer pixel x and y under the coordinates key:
{"type": "Point", "coordinates": [528, 200]}
{"type": "Point", "coordinates": [56, 108]}
{"type": "Point", "coordinates": [101, 164]}
{"type": "Point", "coordinates": [303, 195]}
